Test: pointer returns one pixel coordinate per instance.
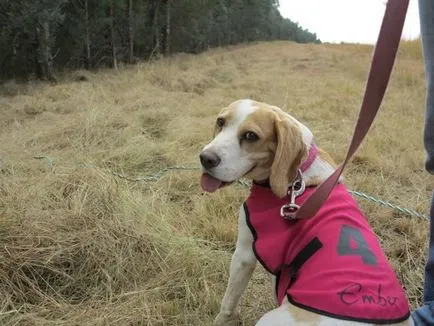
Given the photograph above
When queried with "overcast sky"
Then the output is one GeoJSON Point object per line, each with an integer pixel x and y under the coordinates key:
{"type": "Point", "coordinates": [346, 20]}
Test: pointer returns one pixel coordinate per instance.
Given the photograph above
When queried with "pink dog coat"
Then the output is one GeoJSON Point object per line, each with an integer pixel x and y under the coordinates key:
{"type": "Point", "coordinates": [331, 264]}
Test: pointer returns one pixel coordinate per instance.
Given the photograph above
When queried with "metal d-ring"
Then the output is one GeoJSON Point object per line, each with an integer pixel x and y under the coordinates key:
{"type": "Point", "coordinates": [297, 188]}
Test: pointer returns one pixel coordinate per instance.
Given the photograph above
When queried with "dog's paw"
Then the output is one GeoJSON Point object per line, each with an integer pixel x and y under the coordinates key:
{"type": "Point", "coordinates": [226, 320]}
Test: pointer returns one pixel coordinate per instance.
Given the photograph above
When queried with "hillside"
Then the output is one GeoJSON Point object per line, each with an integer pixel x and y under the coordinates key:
{"type": "Point", "coordinates": [86, 240]}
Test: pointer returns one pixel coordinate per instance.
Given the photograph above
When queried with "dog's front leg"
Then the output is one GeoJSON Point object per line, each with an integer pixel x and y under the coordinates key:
{"type": "Point", "coordinates": [242, 266]}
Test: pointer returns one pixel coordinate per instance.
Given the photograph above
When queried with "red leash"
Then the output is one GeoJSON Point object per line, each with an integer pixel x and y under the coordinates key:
{"type": "Point", "coordinates": [381, 68]}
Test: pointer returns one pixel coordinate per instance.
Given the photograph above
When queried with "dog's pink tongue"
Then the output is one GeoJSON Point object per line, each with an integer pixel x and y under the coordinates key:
{"type": "Point", "coordinates": [208, 183]}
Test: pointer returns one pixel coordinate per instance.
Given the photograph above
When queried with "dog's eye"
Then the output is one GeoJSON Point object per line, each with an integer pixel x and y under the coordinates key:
{"type": "Point", "coordinates": [250, 136]}
{"type": "Point", "coordinates": [220, 122]}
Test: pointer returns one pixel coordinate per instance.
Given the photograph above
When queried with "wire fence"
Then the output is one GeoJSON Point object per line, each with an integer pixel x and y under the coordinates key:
{"type": "Point", "coordinates": [378, 201]}
{"type": "Point", "coordinates": [158, 175]}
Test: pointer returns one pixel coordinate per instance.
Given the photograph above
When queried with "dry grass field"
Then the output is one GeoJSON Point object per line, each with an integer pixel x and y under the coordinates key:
{"type": "Point", "coordinates": [80, 245]}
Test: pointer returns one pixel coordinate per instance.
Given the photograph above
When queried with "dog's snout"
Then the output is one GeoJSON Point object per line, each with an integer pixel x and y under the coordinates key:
{"type": "Point", "coordinates": [209, 159]}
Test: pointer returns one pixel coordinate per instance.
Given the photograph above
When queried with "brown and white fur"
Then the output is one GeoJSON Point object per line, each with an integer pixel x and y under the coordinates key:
{"type": "Point", "coordinates": [279, 145]}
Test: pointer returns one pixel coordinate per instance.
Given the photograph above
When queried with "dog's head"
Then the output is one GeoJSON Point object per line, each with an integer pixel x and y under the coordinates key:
{"type": "Point", "coordinates": [257, 141]}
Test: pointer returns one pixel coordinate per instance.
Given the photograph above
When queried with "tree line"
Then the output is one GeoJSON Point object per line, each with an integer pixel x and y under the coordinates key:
{"type": "Point", "coordinates": [40, 37]}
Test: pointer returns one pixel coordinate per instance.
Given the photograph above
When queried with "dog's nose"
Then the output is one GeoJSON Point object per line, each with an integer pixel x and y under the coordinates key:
{"type": "Point", "coordinates": [209, 159]}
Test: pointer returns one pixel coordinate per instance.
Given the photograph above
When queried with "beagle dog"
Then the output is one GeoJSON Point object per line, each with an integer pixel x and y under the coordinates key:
{"type": "Point", "coordinates": [328, 269]}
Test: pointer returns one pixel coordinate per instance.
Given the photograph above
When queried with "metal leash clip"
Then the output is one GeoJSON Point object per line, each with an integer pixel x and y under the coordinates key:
{"type": "Point", "coordinates": [297, 188]}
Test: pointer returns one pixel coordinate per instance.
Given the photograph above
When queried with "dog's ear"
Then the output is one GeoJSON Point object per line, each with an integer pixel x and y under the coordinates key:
{"type": "Point", "coordinates": [289, 154]}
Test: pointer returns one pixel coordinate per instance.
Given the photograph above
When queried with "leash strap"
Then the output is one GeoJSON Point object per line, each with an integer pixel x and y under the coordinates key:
{"type": "Point", "coordinates": [381, 68]}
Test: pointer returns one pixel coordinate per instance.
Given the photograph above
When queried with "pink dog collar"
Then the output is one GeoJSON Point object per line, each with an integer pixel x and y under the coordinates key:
{"type": "Point", "coordinates": [313, 152]}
